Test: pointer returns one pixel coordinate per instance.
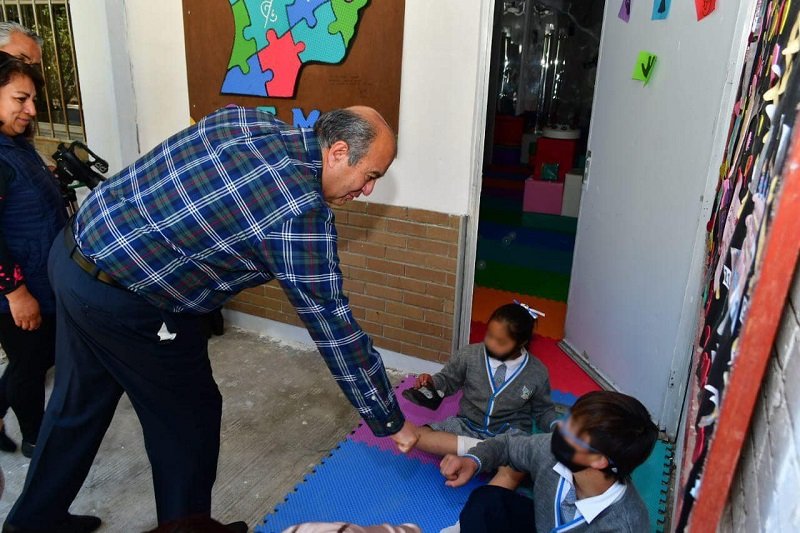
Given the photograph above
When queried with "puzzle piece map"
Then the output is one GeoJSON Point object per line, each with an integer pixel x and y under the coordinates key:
{"type": "Point", "coordinates": [274, 38]}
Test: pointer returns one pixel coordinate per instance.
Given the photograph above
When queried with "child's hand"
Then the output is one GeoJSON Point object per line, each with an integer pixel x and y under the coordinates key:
{"type": "Point", "coordinates": [424, 380]}
{"type": "Point", "coordinates": [457, 470]}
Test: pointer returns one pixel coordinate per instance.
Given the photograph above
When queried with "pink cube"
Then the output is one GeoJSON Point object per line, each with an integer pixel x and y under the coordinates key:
{"type": "Point", "coordinates": [543, 197]}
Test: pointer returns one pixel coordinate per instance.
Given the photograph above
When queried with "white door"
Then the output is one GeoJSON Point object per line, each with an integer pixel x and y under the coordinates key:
{"type": "Point", "coordinates": [655, 153]}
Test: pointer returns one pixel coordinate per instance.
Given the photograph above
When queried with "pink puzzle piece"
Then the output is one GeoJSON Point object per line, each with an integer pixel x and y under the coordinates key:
{"type": "Point", "coordinates": [282, 57]}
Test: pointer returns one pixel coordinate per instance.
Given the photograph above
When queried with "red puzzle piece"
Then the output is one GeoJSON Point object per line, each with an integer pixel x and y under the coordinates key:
{"type": "Point", "coordinates": [282, 57]}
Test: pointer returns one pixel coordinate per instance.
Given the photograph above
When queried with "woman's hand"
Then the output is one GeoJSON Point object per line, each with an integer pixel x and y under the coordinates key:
{"type": "Point", "coordinates": [24, 309]}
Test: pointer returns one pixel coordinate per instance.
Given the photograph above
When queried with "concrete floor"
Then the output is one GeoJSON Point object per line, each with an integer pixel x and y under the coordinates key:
{"type": "Point", "coordinates": [282, 413]}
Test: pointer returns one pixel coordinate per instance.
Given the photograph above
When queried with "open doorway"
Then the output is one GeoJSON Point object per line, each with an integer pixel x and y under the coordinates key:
{"type": "Point", "coordinates": [543, 66]}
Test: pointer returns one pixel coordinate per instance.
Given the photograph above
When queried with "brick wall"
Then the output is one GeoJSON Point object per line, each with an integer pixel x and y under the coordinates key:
{"type": "Point", "coordinates": [765, 493]}
{"type": "Point", "coordinates": [399, 266]}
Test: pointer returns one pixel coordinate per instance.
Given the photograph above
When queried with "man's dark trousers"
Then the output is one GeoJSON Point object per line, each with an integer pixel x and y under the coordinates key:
{"type": "Point", "coordinates": [107, 343]}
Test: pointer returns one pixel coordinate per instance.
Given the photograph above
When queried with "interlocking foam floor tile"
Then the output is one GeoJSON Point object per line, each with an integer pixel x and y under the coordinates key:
{"type": "Point", "coordinates": [364, 485]}
{"type": "Point", "coordinates": [416, 414]}
{"type": "Point", "coordinates": [652, 481]}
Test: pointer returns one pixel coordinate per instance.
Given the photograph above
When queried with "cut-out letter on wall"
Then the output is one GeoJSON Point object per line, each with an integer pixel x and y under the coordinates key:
{"type": "Point", "coordinates": [661, 9]}
{"type": "Point", "coordinates": [625, 10]}
{"type": "Point", "coordinates": [645, 64]}
{"type": "Point", "coordinates": [704, 8]}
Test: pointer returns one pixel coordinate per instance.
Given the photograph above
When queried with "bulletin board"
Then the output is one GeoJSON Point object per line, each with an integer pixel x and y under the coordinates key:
{"type": "Point", "coordinates": [736, 339]}
{"type": "Point", "coordinates": [296, 58]}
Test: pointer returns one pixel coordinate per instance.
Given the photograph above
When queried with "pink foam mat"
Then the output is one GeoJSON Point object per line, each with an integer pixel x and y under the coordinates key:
{"type": "Point", "coordinates": [417, 414]}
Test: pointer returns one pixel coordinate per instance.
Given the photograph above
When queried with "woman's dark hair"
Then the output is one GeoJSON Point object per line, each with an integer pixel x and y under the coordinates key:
{"type": "Point", "coordinates": [10, 67]}
{"type": "Point", "coordinates": [619, 426]}
{"type": "Point", "coordinates": [518, 321]}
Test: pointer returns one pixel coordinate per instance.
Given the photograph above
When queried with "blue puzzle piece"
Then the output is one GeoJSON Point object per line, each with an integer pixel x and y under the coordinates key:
{"type": "Point", "coordinates": [265, 15]}
{"type": "Point", "coordinates": [303, 9]}
{"type": "Point", "coordinates": [252, 84]}
{"type": "Point", "coordinates": [321, 45]}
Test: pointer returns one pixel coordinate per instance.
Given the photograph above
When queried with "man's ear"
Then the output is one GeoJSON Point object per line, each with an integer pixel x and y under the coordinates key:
{"type": "Point", "coordinates": [338, 152]}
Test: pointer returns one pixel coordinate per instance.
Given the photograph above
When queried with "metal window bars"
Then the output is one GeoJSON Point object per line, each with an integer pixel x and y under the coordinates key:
{"type": "Point", "coordinates": [59, 109]}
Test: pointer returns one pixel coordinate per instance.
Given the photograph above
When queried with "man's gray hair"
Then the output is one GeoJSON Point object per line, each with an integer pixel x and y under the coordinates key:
{"type": "Point", "coordinates": [348, 126]}
{"type": "Point", "coordinates": [7, 28]}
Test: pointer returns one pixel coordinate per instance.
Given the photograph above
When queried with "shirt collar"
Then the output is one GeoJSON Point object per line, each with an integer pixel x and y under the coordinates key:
{"type": "Point", "coordinates": [511, 366]}
{"type": "Point", "coordinates": [313, 150]}
{"type": "Point", "coordinates": [590, 508]}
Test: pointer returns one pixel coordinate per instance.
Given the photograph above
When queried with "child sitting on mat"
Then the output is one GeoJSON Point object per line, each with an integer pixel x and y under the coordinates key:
{"type": "Point", "coordinates": [581, 474]}
{"type": "Point", "coordinates": [505, 388]}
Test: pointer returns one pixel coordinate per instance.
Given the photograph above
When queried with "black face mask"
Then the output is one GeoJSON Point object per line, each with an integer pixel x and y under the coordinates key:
{"type": "Point", "coordinates": [501, 356]}
{"type": "Point", "coordinates": [564, 452]}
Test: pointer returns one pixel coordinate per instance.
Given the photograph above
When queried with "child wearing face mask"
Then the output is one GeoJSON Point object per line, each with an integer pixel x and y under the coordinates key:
{"type": "Point", "coordinates": [580, 474]}
{"type": "Point", "coordinates": [505, 387]}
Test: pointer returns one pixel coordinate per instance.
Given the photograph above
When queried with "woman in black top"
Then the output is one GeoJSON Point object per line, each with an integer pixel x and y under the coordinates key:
{"type": "Point", "coordinates": [31, 215]}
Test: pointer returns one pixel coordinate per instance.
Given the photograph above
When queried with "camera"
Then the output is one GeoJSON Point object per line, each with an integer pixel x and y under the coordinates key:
{"type": "Point", "coordinates": [77, 163]}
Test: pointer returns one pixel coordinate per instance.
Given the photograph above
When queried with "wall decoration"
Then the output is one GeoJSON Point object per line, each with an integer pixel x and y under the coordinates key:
{"type": "Point", "coordinates": [750, 182]}
{"type": "Point", "coordinates": [298, 57]}
{"type": "Point", "coordinates": [661, 9]}
{"type": "Point", "coordinates": [704, 8]}
{"type": "Point", "coordinates": [625, 10]}
{"type": "Point", "coordinates": [645, 63]}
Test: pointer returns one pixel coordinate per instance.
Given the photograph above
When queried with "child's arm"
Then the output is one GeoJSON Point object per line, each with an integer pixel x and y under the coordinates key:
{"type": "Point", "coordinates": [542, 408]}
{"type": "Point", "coordinates": [488, 456]}
{"type": "Point", "coordinates": [451, 378]}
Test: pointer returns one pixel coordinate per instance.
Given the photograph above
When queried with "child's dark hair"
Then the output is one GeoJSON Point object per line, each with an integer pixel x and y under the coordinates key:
{"type": "Point", "coordinates": [518, 321]}
{"type": "Point", "coordinates": [619, 426]}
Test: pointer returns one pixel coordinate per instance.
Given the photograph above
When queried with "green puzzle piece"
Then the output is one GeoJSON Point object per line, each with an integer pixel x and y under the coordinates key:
{"type": "Point", "coordinates": [242, 48]}
{"type": "Point", "coordinates": [645, 63]}
{"type": "Point", "coordinates": [346, 18]}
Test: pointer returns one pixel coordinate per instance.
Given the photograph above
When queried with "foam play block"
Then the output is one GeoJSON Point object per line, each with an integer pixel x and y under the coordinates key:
{"type": "Point", "coordinates": [571, 201]}
{"type": "Point", "coordinates": [542, 197]}
{"type": "Point", "coordinates": [508, 129]}
{"type": "Point", "coordinates": [561, 151]}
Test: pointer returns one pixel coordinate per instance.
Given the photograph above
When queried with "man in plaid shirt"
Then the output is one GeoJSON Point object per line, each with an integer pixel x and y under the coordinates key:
{"type": "Point", "coordinates": [232, 202]}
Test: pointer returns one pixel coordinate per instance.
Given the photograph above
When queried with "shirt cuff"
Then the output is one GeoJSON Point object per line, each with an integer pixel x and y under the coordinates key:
{"type": "Point", "coordinates": [476, 459]}
{"type": "Point", "coordinates": [385, 427]}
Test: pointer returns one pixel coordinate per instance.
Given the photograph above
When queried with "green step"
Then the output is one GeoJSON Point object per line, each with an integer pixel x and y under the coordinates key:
{"type": "Point", "coordinates": [550, 285]}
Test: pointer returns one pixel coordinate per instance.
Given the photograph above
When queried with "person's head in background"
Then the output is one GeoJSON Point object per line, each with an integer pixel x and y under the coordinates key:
{"type": "Point", "coordinates": [20, 42]}
{"type": "Point", "coordinates": [509, 330]}
{"type": "Point", "coordinates": [19, 84]}
{"type": "Point", "coordinates": [607, 431]}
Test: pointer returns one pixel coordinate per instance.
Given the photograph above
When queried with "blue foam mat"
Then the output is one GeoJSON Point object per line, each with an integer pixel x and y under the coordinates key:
{"type": "Point", "coordinates": [364, 485]}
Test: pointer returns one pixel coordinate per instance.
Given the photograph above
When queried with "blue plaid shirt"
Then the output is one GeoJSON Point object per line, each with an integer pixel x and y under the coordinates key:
{"type": "Point", "coordinates": [229, 203]}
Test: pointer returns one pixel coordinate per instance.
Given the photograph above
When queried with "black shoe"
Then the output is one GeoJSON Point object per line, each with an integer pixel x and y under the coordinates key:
{"type": "Point", "coordinates": [73, 524]}
{"type": "Point", "coordinates": [28, 449]}
{"type": "Point", "coordinates": [237, 527]}
{"type": "Point", "coordinates": [6, 444]}
{"type": "Point", "coordinates": [425, 397]}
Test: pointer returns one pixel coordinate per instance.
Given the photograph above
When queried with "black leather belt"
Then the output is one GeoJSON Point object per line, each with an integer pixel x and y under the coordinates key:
{"type": "Point", "coordinates": [86, 264]}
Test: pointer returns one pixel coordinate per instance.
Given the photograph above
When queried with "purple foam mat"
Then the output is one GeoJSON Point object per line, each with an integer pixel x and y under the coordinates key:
{"type": "Point", "coordinates": [417, 414]}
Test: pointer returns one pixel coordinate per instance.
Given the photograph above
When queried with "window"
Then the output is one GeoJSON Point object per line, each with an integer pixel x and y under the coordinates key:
{"type": "Point", "coordinates": [59, 110]}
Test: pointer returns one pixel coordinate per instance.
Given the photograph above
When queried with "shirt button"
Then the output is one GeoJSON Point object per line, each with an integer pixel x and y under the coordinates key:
{"type": "Point", "coordinates": [389, 424]}
{"type": "Point", "coordinates": [374, 398]}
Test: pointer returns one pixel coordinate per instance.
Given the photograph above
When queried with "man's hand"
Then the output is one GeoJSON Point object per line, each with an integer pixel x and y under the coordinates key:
{"type": "Point", "coordinates": [24, 309]}
{"type": "Point", "coordinates": [457, 470]}
{"type": "Point", "coordinates": [406, 438]}
{"type": "Point", "coordinates": [424, 380]}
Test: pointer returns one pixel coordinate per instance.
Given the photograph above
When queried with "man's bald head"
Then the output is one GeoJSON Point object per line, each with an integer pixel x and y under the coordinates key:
{"type": "Point", "coordinates": [359, 127]}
